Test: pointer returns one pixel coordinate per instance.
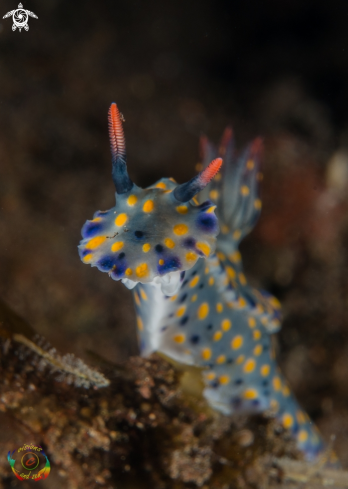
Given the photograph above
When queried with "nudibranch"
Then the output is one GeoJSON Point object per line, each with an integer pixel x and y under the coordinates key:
{"type": "Point", "coordinates": [192, 300]}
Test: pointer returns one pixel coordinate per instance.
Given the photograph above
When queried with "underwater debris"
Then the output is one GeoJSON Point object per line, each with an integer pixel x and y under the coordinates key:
{"type": "Point", "coordinates": [142, 430]}
{"type": "Point", "coordinates": [68, 368]}
{"type": "Point", "coordinates": [71, 369]}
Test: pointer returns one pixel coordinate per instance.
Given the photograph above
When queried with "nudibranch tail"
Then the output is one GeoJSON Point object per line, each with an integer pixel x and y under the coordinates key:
{"type": "Point", "coordinates": [186, 191]}
{"type": "Point", "coordinates": [120, 175]}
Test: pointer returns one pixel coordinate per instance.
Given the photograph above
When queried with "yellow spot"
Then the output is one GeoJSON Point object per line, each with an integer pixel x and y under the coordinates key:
{"type": "Point", "coordinates": [242, 302]}
{"type": "Point", "coordinates": [256, 334]}
{"type": "Point", "coordinates": [204, 248]}
{"type": "Point", "coordinates": [219, 307]}
{"type": "Point", "coordinates": [173, 298]}
{"type": "Point", "coordinates": [206, 270]}
{"type": "Point", "coordinates": [137, 300]}
{"type": "Point", "coordinates": [302, 436]}
{"type": "Point", "coordinates": [221, 359]}
{"type": "Point", "coordinates": [87, 258]}
{"type": "Point", "coordinates": [217, 336]}
{"type": "Point", "coordinates": [146, 247]}
{"type": "Point", "coordinates": [143, 294]}
{"type": "Point", "coordinates": [277, 383]}
{"type": "Point", "coordinates": [211, 209]}
{"type": "Point", "coordinates": [220, 255]}
{"type": "Point", "coordinates": [96, 219]}
{"type": "Point", "coordinates": [194, 281]}
{"type": "Point", "coordinates": [132, 200]}
{"type": "Point", "coordinates": [300, 417]}
{"type": "Point", "coordinates": [252, 322]}
{"type": "Point", "coordinates": [179, 338]}
{"type": "Point", "coordinates": [257, 204]}
{"type": "Point", "coordinates": [117, 246]}
{"type": "Point", "coordinates": [259, 309]}
{"type": "Point", "coordinates": [214, 194]}
{"type": "Point", "coordinates": [245, 190]}
{"type": "Point", "coordinates": [182, 209]}
{"type": "Point", "coordinates": [180, 229]}
{"type": "Point", "coordinates": [217, 177]}
{"type": "Point", "coordinates": [258, 350]}
{"type": "Point", "coordinates": [224, 379]}
{"type": "Point", "coordinates": [249, 366]}
{"type": "Point", "coordinates": [121, 219]}
{"type": "Point", "coordinates": [265, 370]}
{"type": "Point", "coordinates": [274, 405]}
{"type": "Point", "coordinates": [181, 311]}
{"type": "Point", "coordinates": [226, 325]}
{"type": "Point", "coordinates": [95, 242]}
{"type": "Point", "coordinates": [148, 206]}
{"type": "Point", "coordinates": [194, 298]}
{"type": "Point", "coordinates": [250, 394]}
{"type": "Point", "coordinates": [224, 229]}
{"type": "Point", "coordinates": [190, 256]}
{"type": "Point", "coordinates": [235, 257]}
{"type": "Point", "coordinates": [169, 243]}
{"type": "Point", "coordinates": [240, 359]}
{"type": "Point", "coordinates": [237, 234]}
{"type": "Point", "coordinates": [286, 391]}
{"type": "Point", "coordinates": [161, 185]}
{"type": "Point", "coordinates": [231, 272]}
{"type": "Point", "coordinates": [211, 281]}
{"type": "Point", "coordinates": [161, 262]}
{"type": "Point", "coordinates": [195, 200]}
{"type": "Point", "coordinates": [242, 279]}
{"type": "Point", "coordinates": [129, 272]}
{"type": "Point", "coordinates": [274, 303]}
{"type": "Point", "coordinates": [206, 353]}
{"type": "Point", "coordinates": [203, 311]}
{"type": "Point", "coordinates": [140, 323]}
{"type": "Point", "coordinates": [250, 165]}
{"type": "Point", "coordinates": [287, 420]}
{"type": "Point", "coordinates": [237, 342]}
{"type": "Point", "coordinates": [210, 376]}
{"type": "Point", "coordinates": [142, 270]}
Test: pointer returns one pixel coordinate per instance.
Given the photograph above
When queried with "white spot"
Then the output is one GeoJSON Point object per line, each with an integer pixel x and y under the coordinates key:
{"type": "Point", "coordinates": [169, 283]}
{"type": "Point", "coordinates": [130, 284]}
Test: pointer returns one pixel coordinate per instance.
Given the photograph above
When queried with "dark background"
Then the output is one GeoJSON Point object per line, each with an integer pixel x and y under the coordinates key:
{"type": "Point", "coordinates": [177, 69]}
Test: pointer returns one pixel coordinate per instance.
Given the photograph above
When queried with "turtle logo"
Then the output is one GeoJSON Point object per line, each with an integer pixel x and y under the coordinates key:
{"type": "Point", "coordinates": [20, 18]}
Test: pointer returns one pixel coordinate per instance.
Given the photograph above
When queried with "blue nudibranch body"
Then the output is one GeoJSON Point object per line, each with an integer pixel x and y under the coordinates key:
{"type": "Point", "coordinates": [192, 299]}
